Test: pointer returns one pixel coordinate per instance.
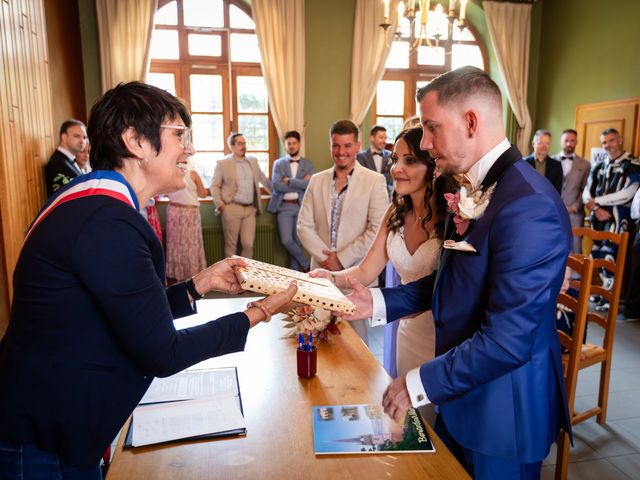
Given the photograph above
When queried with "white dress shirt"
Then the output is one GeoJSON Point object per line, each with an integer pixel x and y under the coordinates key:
{"type": "Point", "coordinates": [294, 170]}
{"type": "Point", "coordinates": [476, 175]}
{"type": "Point", "coordinates": [377, 160]}
{"type": "Point", "coordinates": [566, 161]}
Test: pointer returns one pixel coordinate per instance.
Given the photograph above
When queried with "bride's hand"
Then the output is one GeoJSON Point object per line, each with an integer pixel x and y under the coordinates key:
{"type": "Point", "coordinates": [321, 273]}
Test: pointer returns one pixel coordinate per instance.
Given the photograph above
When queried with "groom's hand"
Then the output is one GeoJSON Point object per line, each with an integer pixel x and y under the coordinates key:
{"type": "Point", "coordinates": [361, 297]}
{"type": "Point", "coordinates": [396, 400]}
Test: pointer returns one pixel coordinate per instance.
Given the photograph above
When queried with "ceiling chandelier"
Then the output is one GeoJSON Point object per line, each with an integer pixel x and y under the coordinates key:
{"type": "Point", "coordinates": [420, 10]}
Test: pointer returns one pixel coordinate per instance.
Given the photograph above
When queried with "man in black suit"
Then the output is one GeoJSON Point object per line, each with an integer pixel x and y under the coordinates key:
{"type": "Point", "coordinates": [376, 157]}
{"type": "Point", "coordinates": [62, 167]}
{"type": "Point", "coordinates": [542, 162]}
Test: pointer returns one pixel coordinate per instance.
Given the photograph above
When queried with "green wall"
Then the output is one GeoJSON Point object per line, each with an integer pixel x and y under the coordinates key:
{"type": "Point", "coordinates": [588, 53]}
{"type": "Point", "coordinates": [328, 32]}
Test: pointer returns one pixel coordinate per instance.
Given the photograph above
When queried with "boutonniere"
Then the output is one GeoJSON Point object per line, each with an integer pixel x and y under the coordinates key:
{"type": "Point", "coordinates": [467, 206]}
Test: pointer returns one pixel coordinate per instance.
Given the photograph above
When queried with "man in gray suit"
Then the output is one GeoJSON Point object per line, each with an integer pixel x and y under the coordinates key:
{"type": "Point", "coordinates": [575, 172]}
{"type": "Point", "coordinates": [377, 157]}
{"type": "Point", "coordinates": [236, 194]}
{"type": "Point", "coordinates": [290, 177]}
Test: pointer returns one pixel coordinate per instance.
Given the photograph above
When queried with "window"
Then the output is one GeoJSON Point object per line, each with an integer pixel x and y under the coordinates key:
{"type": "Point", "coordinates": [206, 52]}
{"type": "Point", "coordinates": [407, 69]}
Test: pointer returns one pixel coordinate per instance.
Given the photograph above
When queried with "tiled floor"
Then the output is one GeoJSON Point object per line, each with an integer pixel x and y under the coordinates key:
{"type": "Point", "coordinates": [610, 451]}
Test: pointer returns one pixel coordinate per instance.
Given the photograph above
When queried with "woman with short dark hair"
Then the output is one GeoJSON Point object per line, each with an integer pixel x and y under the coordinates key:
{"type": "Point", "coordinates": [91, 322]}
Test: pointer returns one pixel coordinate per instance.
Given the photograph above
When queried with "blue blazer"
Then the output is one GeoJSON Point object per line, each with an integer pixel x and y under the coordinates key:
{"type": "Point", "coordinates": [365, 158]}
{"type": "Point", "coordinates": [91, 325]}
{"type": "Point", "coordinates": [282, 168]}
{"type": "Point", "coordinates": [553, 171]}
{"type": "Point", "coordinates": [497, 375]}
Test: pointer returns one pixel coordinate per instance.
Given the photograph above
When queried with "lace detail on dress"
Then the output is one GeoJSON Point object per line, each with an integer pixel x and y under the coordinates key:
{"type": "Point", "coordinates": [412, 267]}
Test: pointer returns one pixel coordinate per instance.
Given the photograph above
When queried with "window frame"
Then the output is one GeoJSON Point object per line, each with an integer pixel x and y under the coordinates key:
{"type": "Point", "coordinates": [417, 72]}
{"type": "Point", "coordinates": [196, 64]}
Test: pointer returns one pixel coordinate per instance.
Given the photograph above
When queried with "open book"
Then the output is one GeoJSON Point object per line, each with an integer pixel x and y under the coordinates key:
{"type": "Point", "coordinates": [186, 406]}
{"type": "Point", "coordinates": [361, 429]}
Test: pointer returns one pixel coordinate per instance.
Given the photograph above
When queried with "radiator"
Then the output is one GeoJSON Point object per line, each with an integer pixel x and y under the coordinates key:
{"type": "Point", "coordinates": [214, 243]}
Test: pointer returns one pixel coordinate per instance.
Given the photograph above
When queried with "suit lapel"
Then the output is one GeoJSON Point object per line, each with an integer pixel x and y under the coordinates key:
{"type": "Point", "coordinates": [496, 171]}
{"type": "Point", "coordinates": [353, 184]}
{"type": "Point", "coordinates": [71, 164]}
{"type": "Point", "coordinates": [504, 161]}
{"type": "Point", "coordinates": [326, 197]}
{"type": "Point", "coordinates": [371, 165]}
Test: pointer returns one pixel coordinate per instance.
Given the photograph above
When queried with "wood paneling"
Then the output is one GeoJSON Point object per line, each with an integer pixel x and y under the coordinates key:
{"type": "Point", "coordinates": [593, 118]}
{"type": "Point", "coordinates": [26, 132]}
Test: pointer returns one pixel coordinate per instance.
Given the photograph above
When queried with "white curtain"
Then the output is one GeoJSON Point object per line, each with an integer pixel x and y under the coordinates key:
{"type": "Point", "coordinates": [510, 31]}
{"type": "Point", "coordinates": [125, 29]}
{"type": "Point", "coordinates": [280, 31]}
{"type": "Point", "coordinates": [369, 54]}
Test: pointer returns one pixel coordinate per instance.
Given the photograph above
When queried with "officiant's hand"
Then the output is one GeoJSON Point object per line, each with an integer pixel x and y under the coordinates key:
{"type": "Point", "coordinates": [263, 309]}
{"type": "Point", "coordinates": [396, 400]}
{"type": "Point", "coordinates": [220, 276]}
{"type": "Point", "coordinates": [361, 297]}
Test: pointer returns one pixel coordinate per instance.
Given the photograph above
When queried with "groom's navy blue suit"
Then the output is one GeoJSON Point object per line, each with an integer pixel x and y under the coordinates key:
{"type": "Point", "coordinates": [497, 375]}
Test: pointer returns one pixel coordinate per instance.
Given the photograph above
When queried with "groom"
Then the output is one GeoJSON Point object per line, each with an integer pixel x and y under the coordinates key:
{"type": "Point", "coordinates": [497, 374]}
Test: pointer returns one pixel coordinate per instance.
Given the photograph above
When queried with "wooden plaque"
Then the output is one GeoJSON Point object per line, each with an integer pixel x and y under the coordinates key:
{"type": "Point", "coordinates": [268, 279]}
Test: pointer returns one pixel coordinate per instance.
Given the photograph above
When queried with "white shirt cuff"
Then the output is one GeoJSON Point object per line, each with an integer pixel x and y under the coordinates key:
{"type": "Point", "coordinates": [416, 390]}
{"type": "Point", "coordinates": [379, 308]}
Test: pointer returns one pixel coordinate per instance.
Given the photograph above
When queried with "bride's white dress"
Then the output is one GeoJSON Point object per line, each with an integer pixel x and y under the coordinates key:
{"type": "Point", "coordinates": [416, 337]}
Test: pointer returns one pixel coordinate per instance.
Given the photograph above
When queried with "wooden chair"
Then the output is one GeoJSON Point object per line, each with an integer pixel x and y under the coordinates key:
{"type": "Point", "coordinates": [592, 354]}
{"type": "Point", "coordinates": [579, 307]}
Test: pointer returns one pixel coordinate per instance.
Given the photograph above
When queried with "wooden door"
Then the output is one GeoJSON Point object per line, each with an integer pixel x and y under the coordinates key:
{"type": "Point", "coordinates": [592, 118]}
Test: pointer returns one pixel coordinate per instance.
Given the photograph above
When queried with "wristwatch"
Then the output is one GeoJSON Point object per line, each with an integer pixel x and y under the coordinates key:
{"type": "Point", "coordinates": [191, 288]}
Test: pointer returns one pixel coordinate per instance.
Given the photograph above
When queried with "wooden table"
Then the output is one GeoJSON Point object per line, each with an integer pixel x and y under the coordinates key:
{"type": "Point", "coordinates": [277, 407]}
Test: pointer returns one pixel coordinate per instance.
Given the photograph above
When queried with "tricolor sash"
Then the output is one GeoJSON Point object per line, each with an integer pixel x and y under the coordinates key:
{"type": "Point", "coordinates": [99, 182]}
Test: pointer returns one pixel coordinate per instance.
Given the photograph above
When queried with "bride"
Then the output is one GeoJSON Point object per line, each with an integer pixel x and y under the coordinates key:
{"type": "Point", "coordinates": [410, 235]}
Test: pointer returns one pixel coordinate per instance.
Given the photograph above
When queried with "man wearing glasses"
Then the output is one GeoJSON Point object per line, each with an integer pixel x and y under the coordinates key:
{"type": "Point", "coordinates": [236, 194]}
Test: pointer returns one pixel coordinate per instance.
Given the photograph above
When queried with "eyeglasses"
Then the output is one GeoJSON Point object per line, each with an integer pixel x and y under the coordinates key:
{"type": "Point", "coordinates": [186, 133]}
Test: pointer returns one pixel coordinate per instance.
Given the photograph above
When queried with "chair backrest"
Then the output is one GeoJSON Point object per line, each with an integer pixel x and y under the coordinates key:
{"type": "Point", "coordinates": [616, 268]}
{"type": "Point", "coordinates": [582, 266]}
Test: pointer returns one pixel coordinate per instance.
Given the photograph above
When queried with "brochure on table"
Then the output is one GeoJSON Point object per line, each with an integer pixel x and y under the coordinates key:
{"type": "Point", "coordinates": [358, 429]}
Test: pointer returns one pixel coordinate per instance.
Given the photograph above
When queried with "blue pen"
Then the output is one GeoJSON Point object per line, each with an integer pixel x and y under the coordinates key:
{"type": "Point", "coordinates": [301, 342]}
{"type": "Point", "coordinates": [310, 341]}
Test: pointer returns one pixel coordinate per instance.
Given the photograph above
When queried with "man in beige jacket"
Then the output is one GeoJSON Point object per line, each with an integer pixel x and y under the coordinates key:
{"type": "Point", "coordinates": [342, 208]}
{"type": "Point", "coordinates": [236, 194]}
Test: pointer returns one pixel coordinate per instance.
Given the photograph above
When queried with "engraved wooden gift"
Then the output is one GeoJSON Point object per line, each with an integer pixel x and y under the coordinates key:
{"type": "Point", "coordinates": [268, 279]}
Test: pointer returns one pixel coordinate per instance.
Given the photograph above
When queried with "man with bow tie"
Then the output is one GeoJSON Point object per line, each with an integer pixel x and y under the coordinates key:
{"type": "Point", "coordinates": [497, 374]}
{"type": "Point", "coordinates": [62, 167]}
{"type": "Point", "coordinates": [290, 178]}
{"type": "Point", "coordinates": [575, 172]}
{"type": "Point", "coordinates": [377, 157]}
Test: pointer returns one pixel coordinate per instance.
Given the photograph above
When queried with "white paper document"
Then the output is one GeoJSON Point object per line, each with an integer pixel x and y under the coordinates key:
{"type": "Point", "coordinates": [180, 420]}
{"type": "Point", "coordinates": [192, 384]}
